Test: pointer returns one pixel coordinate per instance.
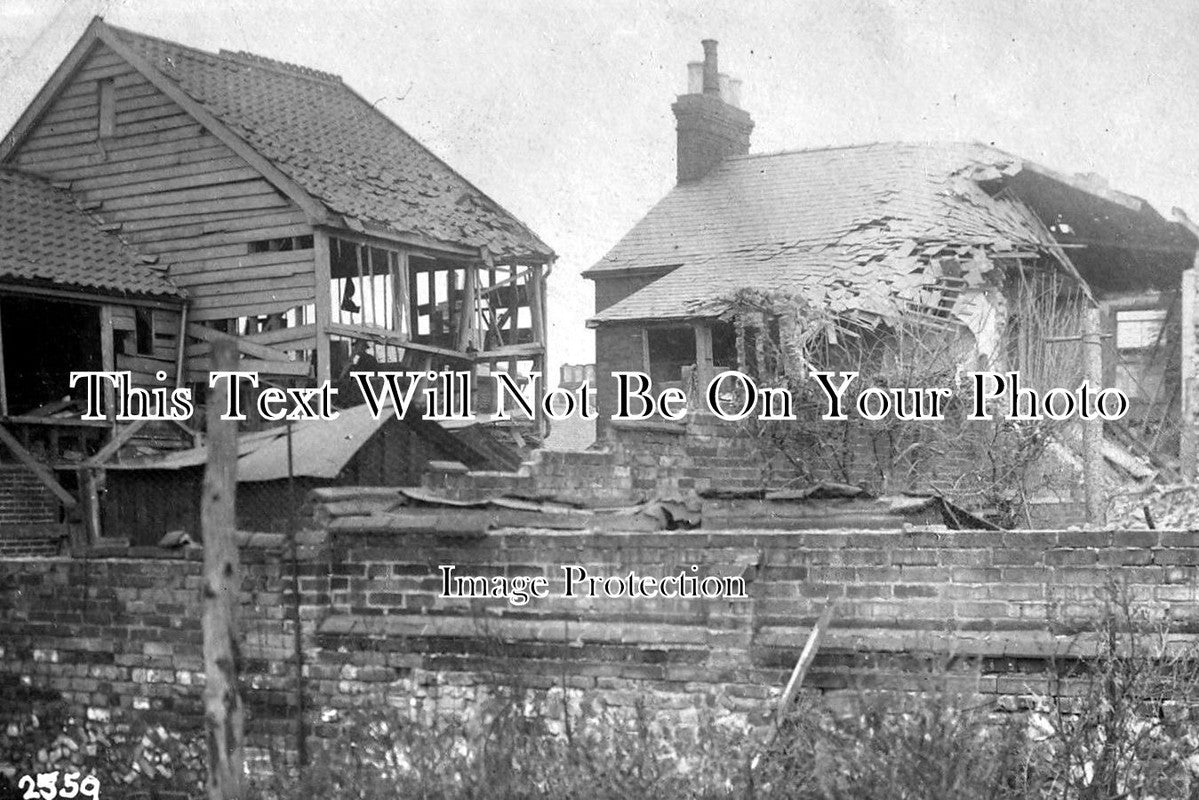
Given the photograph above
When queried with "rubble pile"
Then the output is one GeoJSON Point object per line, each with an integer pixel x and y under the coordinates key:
{"type": "Point", "coordinates": [1169, 507]}
{"type": "Point", "coordinates": [150, 760]}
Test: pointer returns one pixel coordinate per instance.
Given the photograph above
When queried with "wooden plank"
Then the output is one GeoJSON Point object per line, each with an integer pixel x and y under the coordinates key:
{"type": "Point", "coordinates": [247, 260]}
{"type": "Point", "coordinates": [323, 304]}
{"type": "Point", "coordinates": [195, 175]}
{"type": "Point", "coordinates": [244, 344]}
{"type": "Point", "coordinates": [193, 261]}
{"type": "Point", "coordinates": [1092, 432]}
{"type": "Point", "coordinates": [399, 291]}
{"type": "Point", "coordinates": [42, 472]}
{"type": "Point", "coordinates": [215, 245]}
{"type": "Point", "coordinates": [197, 368]}
{"type": "Point", "coordinates": [288, 273]}
{"type": "Point", "coordinates": [108, 359]}
{"type": "Point", "coordinates": [130, 90]}
{"type": "Point", "coordinates": [536, 294]}
{"type": "Point", "coordinates": [148, 179]}
{"type": "Point", "coordinates": [295, 369]}
{"type": "Point", "coordinates": [243, 292]}
{"type": "Point", "coordinates": [224, 715]}
{"type": "Point", "coordinates": [469, 308]}
{"type": "Point", "coordinates": [59, 116]}
{"type": "Point", "coordinates": [512, 351]}
{"type": "Point", "coordinates": [806, 657]}
{"type": "Point", "coordinates": [85, 117]}
{"type": "Point", "coordinates": [248, 300]}
{"type": "Point", "coordinates": [148, 109]}
{"type": "Point", "coordinates": [282, 305]}
{"type": "Point", "coordinates": [147, 365]}
{"type": "Point", "coordinates": [181, 342]}
{"type": "Point", "coordinates": [198, 149]}
{"type": "Point", "coordinates": [102, 57]}
{"type": "Point", "coordinates": [98, 72]}
{"type": "Point", "coordinates": [268, 199]}
{"type": "Point", "coordinates": [383, 336]}
{"type": "Point", "coordinates": [226, 189]}
{"type": "Point", "coordinates": [180, 228]}
{"type": "Point", "coordinates": [123, 435]}
{"type": "Point", "coordinates": [1188, 446]}
{"type": "Point", "coordinates": [395, 241]}
{"type": "Point", "coordinates": [3, 378]}
{"type": "Point", "coordinates": [79, 88]}
{"type": "Point", "coordinates": [284, 336]}
{"type": "Point", "coordinates": [32, 159]}
{"type": "Point", "coordinates": [90, 495]}
{"type": "Point", "coordinates": [88, 123]}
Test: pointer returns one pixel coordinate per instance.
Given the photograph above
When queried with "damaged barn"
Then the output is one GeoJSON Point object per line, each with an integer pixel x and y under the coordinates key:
{"type": "Point", "coordinates": [156, 199]}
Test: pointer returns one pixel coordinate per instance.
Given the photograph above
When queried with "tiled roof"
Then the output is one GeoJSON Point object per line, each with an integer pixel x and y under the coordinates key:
{"type": "Point", "coordinates": [338, 147]}
{"type": "Point", "coordinates": [852, 226]}
{"type": "Point", "coordinates": [45, 236]}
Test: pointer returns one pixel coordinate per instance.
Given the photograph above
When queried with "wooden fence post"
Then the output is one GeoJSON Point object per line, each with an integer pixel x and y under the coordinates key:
{"type": "Point", "coordinates": [224, 716]}
{"type": "Point", "coordinates": [1188, 446]}
{"type": "Point", "coordinates": [1092, 430]}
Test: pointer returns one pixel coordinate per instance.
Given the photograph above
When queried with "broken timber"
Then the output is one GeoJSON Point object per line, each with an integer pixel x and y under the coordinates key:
{"type": "Point", "coordinates": [806, 657]}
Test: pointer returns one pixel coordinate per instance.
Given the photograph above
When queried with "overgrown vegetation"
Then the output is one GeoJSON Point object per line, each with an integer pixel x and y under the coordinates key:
{"type": "Point", "coordinates": [1116, 716]}
{"type": "Point", "coordinates": [1119, 720]}
{"type": "Point", "coordinates": [990, 466]}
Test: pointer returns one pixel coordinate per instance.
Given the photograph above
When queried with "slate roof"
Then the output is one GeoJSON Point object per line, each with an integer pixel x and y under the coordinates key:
{"type": "Point", "coordinates": [849, 228]}
{"type": "Point", "coordinates": [338, 147]}
{"type": "Point", "coordinates": [46, 237]}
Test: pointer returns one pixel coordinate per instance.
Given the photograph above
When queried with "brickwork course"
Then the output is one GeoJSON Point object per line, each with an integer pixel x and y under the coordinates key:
{"type": "Point", "coordinates": [122, 635]}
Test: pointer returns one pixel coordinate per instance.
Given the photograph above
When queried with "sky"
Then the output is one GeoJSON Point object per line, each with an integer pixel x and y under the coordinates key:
{"type": "Point", "coordinates": [560, 110]}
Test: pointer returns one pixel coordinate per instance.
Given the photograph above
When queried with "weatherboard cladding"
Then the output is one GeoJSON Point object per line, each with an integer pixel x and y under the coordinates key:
{"type": "Point", "coordinates": [338, 147]}
{"type": "Point", "coordinates": [46, 237]}
{"type": "Point", "coordinates": [848, 228]}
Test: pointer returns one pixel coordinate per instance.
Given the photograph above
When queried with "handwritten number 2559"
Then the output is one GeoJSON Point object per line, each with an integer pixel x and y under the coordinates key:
{"type": "Point", "coordinates": [46, 786]}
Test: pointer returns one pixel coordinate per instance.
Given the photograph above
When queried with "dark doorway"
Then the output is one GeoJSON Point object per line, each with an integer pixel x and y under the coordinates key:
{"type": "Point", "coordinates": [44, 342]}
{"type": "Point", "coordinates": [670, 349]}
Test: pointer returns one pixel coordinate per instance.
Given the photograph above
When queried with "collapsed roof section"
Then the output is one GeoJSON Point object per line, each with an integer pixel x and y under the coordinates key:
{"type": "Point", "coordinates": [873, 230]}
{"type": "Point", "coordinates": [46, 239]}
{"type": "Point", "coordinates": [826, 506]}
{"type": "Point", "coordinates": [319, 449]}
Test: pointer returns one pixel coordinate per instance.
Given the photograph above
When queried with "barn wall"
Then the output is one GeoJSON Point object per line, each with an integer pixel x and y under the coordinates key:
{"type": "Point", "coordinates": [177, 191]}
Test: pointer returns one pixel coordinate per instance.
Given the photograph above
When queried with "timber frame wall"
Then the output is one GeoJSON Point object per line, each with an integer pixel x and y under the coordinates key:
{"type": "Point", "coordinates": [249, 248]}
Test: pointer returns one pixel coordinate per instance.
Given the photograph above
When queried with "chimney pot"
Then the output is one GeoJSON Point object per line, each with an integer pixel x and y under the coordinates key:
{"type": "Point", "coordinates": [734, 98]}
{"type": "Point", "coordinates": [711, 68]}
{"type": "Point", "coordinates": [711, 124]}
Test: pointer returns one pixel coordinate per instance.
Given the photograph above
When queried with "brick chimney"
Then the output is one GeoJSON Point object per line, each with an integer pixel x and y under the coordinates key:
{"type": "Point", "coordinates": [711, 127]}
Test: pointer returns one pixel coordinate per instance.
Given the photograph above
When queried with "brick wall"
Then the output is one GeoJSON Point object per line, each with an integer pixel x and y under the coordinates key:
{"type": "Point", "coordinates": [25, 499]}
{"type": "Point", "coordinates": [32, 540]}
{"type": "Point", "coordinates": [639, 461]}
{"type": "Point", "coordinates": [123, 635]}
